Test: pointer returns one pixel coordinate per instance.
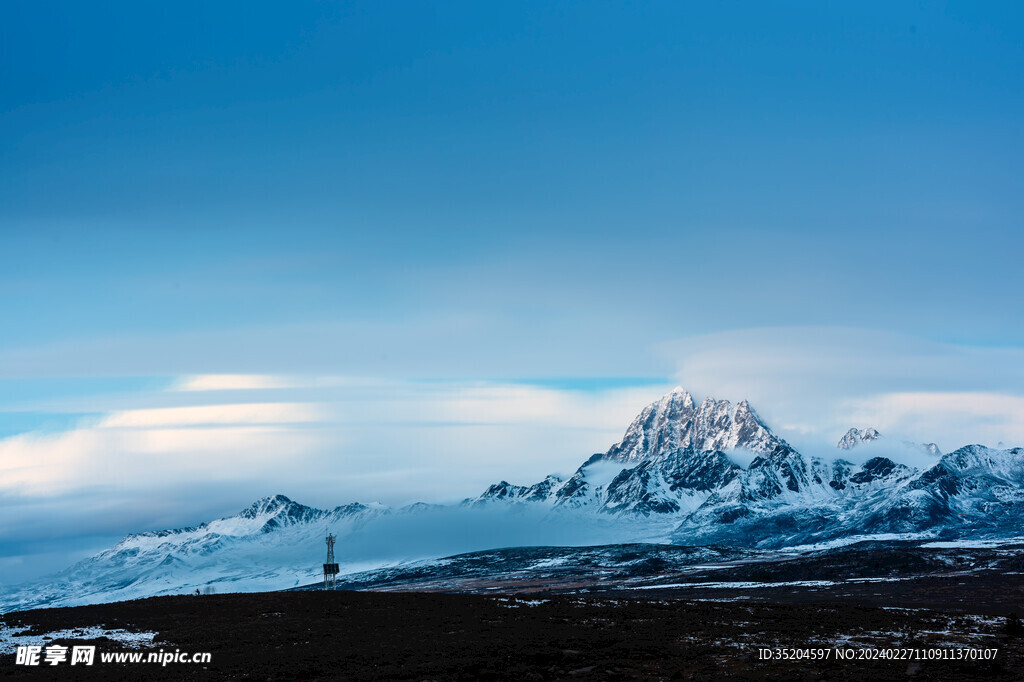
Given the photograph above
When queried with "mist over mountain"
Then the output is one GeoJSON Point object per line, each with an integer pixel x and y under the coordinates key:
{"type": "Point", "coordinates": [858, 437]}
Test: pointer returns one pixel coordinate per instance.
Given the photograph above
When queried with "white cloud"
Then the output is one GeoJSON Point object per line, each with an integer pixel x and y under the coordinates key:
{"type": "Point", "coordinates": [232, 382]}
{"type": "Point", "coordinates": [128, 461]}
{"type": "Point", "coordinates": [529, 405]}
{"type": "Point", "coordinates": [231, 414]}
{"type": "Point", "coordinates": [360, 440]}
{"type": "Point", "coordinates": [946, 418]}
{"type": "Point", "coordinates": [364, 440]}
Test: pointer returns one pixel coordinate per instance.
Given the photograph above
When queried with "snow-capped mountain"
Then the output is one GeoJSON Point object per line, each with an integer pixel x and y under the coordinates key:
{"type": "Point", "coordinates": [855, 437]}
{"type": "Point", "coordinates": [673, 463]}
{"type": "Point", "coordinates": [674, 477]}
{"type": "Point", "coordinates": [675, 422]}
{"type": "Point", "coordinates": [273, 544]}
{"type": "Point", "coordinates": [670, 459]}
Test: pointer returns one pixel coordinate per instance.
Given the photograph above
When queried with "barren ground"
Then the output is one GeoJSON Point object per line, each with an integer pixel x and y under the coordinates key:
{"type": "Point", "coordinates": [436, 636]}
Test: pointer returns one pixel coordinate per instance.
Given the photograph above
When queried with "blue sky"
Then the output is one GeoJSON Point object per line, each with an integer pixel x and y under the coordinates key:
{"type": "Point", "coordinates": [593, 201]}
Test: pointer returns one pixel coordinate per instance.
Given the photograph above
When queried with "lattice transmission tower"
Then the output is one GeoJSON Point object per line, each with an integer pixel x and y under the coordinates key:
{"type": "Point", "coordinates": [330, 567]}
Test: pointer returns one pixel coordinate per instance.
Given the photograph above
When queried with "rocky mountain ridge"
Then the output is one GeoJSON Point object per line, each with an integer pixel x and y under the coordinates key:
{"type": "Point", "coordinates": [674, 462]}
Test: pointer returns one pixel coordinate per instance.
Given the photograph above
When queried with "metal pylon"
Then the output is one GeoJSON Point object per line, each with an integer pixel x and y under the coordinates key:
{"type": "Point", "coordinates": [330, 567]}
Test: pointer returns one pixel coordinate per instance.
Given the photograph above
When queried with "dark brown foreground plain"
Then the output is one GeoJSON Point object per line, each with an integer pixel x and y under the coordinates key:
{"type": "Point", "coordinates": [433, 636]}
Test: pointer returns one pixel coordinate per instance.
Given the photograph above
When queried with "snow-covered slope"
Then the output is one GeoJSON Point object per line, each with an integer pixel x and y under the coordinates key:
{"type": "Point", "coordinates": [273, 544]}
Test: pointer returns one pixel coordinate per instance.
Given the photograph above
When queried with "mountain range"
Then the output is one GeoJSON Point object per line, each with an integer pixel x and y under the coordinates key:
{"type": "Point", "coordinates": [675, 477]}
{"type": "Point", "coordinates": [675, 461]}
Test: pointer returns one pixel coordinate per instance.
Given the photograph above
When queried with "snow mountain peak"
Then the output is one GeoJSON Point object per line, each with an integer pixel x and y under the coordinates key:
{"type": "Point", "coordinates": [268, 505]}
{"type": "Point", "coordinates": [855, 437]}
{"type": "Point", "coordinates": [675, 422]}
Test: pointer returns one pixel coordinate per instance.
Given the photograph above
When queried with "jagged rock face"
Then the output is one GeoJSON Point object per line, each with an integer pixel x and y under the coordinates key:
{"type": "Point", "coordinates": [986, 461]}
{"type": "Point", "coordinates": [505, 491]}
{"type": "Point", "coordinates": [660, 427]}
{"type": "Point", "coordinates": [841, 470]}
{"type": "Point", "coordinates": [675, 423]}
{"type": "Point", "coordinates": [972, 490]}
{"type": "Point", "coordinates": [877, 468]}
{"type": "Point", "coordinates": [934, 498]}
{"type": "Point", "coordinates": [702, 470]}
{"type": "Point", "coordinates": [855, 437]}
{"type": "Point", "coordinates": [542, 490]}
{"type": "Point", "coordinates": [669, 482]}
{"type": "Point", "coordinates": [671, 457]}
{"type": "Point", "coordinates": [977, 471]}
{"type": "Point", "coordinates": [279, 511]}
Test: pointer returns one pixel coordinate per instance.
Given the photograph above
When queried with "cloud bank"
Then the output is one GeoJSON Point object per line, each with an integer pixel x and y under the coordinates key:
{"type": "Point", "coordinates": [813, 383]}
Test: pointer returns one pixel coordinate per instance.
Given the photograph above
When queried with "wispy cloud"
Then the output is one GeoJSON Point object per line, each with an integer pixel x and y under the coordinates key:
{"type": "Point", "coordinates": [324, 440]}
{"type": "Point", "coordinates": [223, 415]}
{"type": "Point", "coordinates": [232, 382]}
{"type": "Point", "coordinates": [951, 419]}
{"type": "Point", "coordinates": [208, 444]}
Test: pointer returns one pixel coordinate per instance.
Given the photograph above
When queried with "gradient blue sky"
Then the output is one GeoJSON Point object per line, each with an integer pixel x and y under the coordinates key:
{"type": "Point", "coordinates": [594, 201]}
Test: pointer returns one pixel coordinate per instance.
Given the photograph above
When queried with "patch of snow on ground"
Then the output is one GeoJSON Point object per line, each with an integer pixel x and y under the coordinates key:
{"type": "Point", "coordinates": [513, 603]}
{"type": "Point", "coordinates": [973, 544]}
{"type": "Point", "coordinates": [741, 585]}
{"type": "Point", "coordinates": [852, 540]}
{"type": "Point", "coordinates": [11, 638]}
{"type": "Point", "coordinates": [551, 563]}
